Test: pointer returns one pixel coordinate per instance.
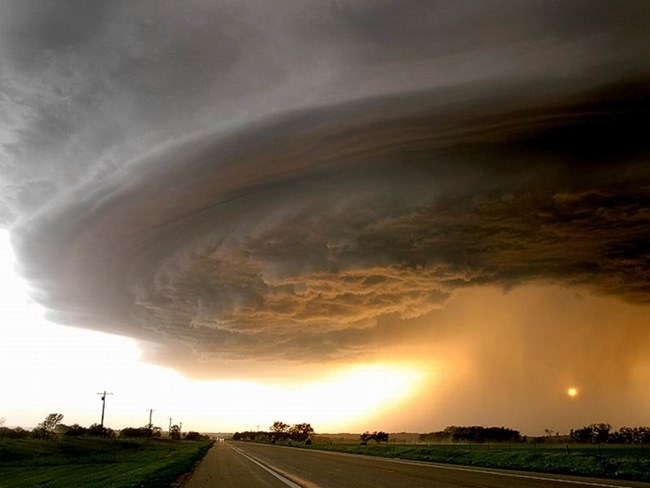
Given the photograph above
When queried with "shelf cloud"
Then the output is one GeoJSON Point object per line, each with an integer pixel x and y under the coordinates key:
{"type": "Point", "coordinates": [282, 180]}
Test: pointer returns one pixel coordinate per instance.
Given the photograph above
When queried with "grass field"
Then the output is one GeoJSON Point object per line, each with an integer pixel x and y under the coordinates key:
{"type": "Point", "coordinates": [95, 463]}
{"type": "Point", "coordinates": [608, 461]}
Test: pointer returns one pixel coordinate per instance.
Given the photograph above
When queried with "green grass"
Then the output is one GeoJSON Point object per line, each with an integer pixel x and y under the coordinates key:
{"type": "Point", "coordinates": [615, 462]}
{"type": "Point", "coordinates": [96, 463]}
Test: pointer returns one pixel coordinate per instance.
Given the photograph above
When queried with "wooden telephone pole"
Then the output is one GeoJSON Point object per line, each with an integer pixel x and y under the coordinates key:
{"type": "Point", "coordinates": [151, 411]}
{"type": "Point", "coordinates": [103, 394]}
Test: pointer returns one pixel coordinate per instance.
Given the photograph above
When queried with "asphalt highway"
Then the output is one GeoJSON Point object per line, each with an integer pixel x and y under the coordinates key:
{"type": "Point", "coordinates": [247, 465]}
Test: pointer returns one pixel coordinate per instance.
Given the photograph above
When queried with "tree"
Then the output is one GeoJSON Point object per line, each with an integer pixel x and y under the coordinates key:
{"type": "Point", "coordinates": [279, 431]}
{"type": "Point", "coordinates": [375, 436]}
{"type": "Point", "coordinates": [99, 431]}
{"type": "Point", "coordinates": [175, 432]}
{"type": "Point", "coordinates": [95, 430]}
{"type": "Point", "coordinates": [592, 433]}
{"type": "Point", "coordinates": [136, 432]}
{"type": "Point", "coordinates": [601, 432]}
{"type": "Point", "coordinates": [195, 436]}
{"type": "Point", "coordinates": [75, 430]}
{"type": "Point", "coordinates": [253, 436]}
{"type": "Point", "coordinates": [15, 433]}
{"type": "Point", "coordinates": [48, 426]}
{"type": "Point", "coordinates": [381, 436]}
{"type": "Point", "coordinates": [301, 432]}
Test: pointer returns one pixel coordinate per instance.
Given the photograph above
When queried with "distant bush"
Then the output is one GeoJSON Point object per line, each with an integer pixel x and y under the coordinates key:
{"type": "Point", "coordinates": [474, 433]}
{"type": "Point", "coordinates": [96, 430]}
{"type": "Point", "coordinates": [136, 432]}
{"type": "Point", "coordinates": [15, 433]}
{"type": "Point", "coordinates": [248, 435]}
{"type": "Point", "coordinates": [375, 436]}
{"type": "Point", "coordinates": [75, 430]}
{"type": "Point", "coordinates": [195, 436]}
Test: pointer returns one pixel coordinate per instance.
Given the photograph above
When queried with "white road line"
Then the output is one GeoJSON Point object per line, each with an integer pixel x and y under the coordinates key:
{"type": "Point", "coordinates": [286, 481]}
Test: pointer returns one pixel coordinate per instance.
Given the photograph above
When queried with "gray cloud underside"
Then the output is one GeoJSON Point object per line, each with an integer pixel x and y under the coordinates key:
{"type": "Point", "coordinates": [262, 179]}
{"type": "Point", "coordinates": [85, 88]}
{"type": "Point", "coordinates": [293, 236]}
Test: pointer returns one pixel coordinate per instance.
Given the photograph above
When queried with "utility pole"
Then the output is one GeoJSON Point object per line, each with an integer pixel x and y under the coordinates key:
{"type": "Point", "coordinates": [103, 407]}
{"type": "Point", "coordinates": [180, 429]}
{"type": "Point", "coordinates": [151, 411]}
{"type": "Point", "coordinates": [170, 427]}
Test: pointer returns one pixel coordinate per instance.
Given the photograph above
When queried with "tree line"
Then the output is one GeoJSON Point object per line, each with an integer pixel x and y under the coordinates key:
{"type": "Point", "coordinates": [603, 433]}
{"type": "Point", "coordinates": [52, 428]}
{"type": "Point", "coordinates": [473, 433]}
{"type": "Point", "coordinates": [599, 433]}
{"type": "Point", "coordinates": [278, 432]}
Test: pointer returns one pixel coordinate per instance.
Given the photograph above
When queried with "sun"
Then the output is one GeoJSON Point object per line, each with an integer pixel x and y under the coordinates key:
{"type": "Point", "coordinates": [572, 392]}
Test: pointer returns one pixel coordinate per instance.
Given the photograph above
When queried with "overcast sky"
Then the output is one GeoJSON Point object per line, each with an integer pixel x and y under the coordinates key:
{"type": "Point", "coordinates": [309, 184]}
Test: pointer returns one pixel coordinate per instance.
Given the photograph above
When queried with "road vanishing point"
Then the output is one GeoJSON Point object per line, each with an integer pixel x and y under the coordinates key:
{"type": "Point", "coordinates": [247, 465]}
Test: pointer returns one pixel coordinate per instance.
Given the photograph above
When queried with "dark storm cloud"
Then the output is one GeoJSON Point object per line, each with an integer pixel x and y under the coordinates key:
{"type": "Point", "coordinates": [279, 180]}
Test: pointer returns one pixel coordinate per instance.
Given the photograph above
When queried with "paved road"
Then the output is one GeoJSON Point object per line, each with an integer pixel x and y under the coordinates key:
{"type": "Point", "coordinates": [245, 465]}
{"type": "Point", "coordinates": [222, 466]}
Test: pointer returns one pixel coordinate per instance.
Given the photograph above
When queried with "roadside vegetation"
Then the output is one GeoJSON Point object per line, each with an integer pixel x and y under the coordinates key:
{"type": "Point", "coordinates": [95, 462]}
{"type": "Point", "coordinates": [55, 455]}
{"type": "Point", "coordinates": [616, 462]}
{"type": "Point", "coordinates": [595, 450]}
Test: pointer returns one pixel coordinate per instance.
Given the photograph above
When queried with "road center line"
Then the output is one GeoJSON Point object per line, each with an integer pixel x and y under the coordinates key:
{"type": "Point", "coordinates": [286, 481]}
